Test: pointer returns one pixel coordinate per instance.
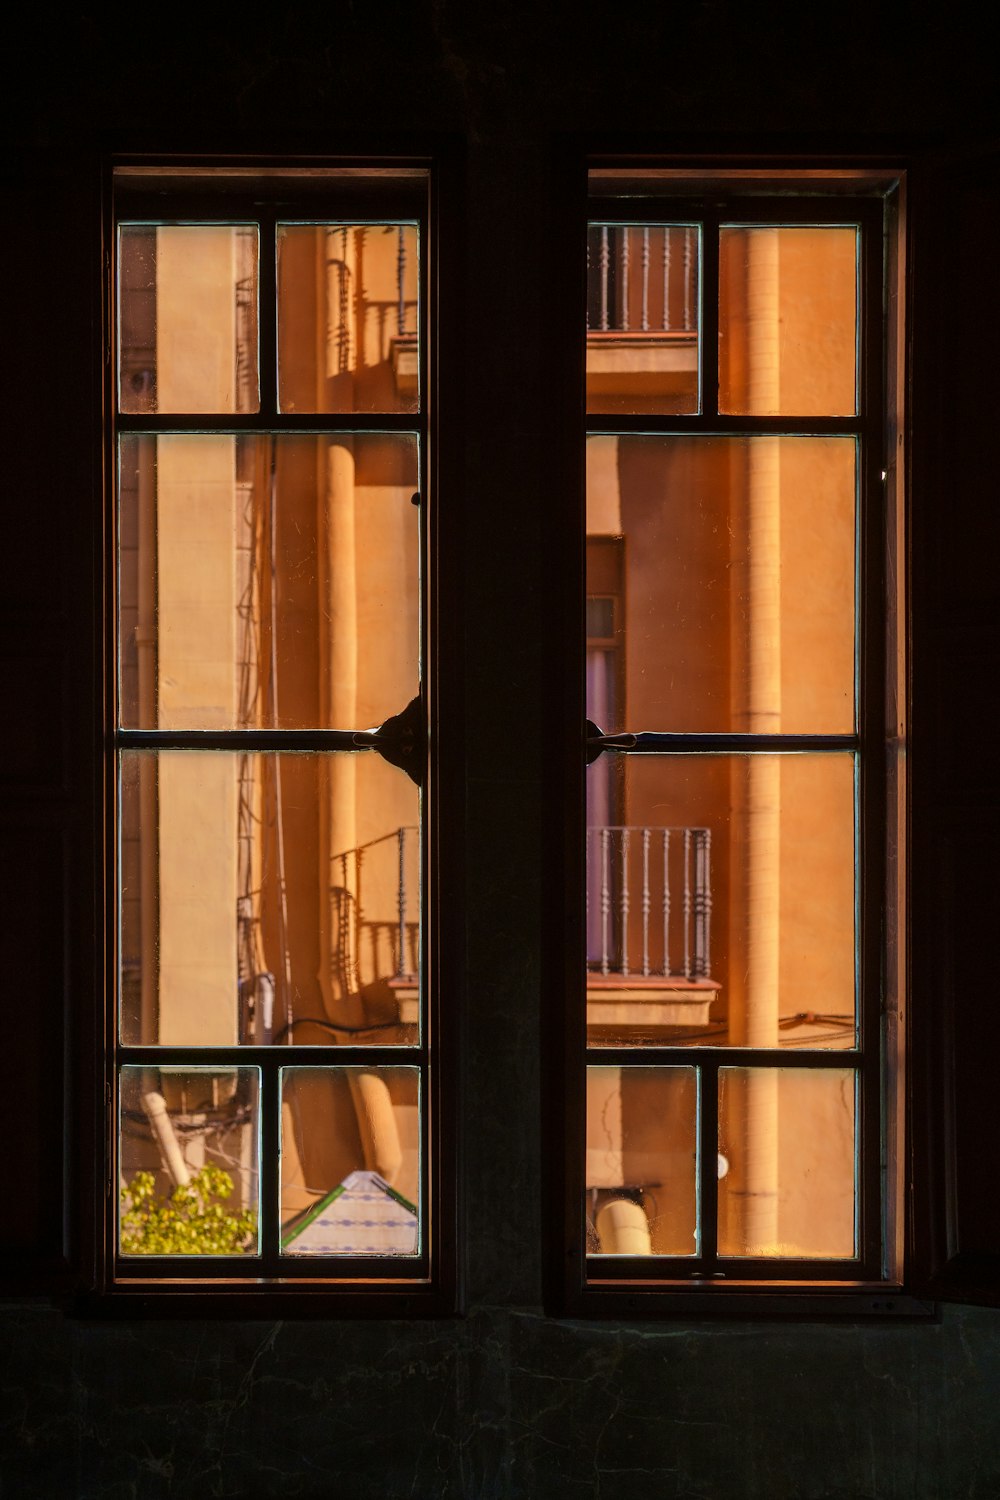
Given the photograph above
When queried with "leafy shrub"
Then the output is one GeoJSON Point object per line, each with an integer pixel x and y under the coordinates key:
{"type": "Point", "coordinates": [191, 1220]}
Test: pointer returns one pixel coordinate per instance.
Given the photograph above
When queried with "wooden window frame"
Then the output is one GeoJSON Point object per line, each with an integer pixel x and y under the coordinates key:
{"type": "Point", "coordinates": [879, 1282]}
{"type": "Point", "coordinates": [151, 187]}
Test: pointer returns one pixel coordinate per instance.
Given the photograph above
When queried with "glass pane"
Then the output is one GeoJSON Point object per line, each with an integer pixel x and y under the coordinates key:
{"type": "Point", "coordinates": [787, 1137]}
{"type": "Point", "coordinates": [641, 1161]}
{"type": "Point", "coordinates": [188, 318]}
{"type": "Point", "coordinates": [721, 900]}
{"type": "Point", "coordinates": [268, 582]}
{"type": "Point", "coordinates": [348, 318]}
{"type": "Point", "coordinates": [268, 898]}
{"type": "Point", "coordinates": [189, 1161]}
{"type": "Point", "coordinates": [788, 308]}
{"type": "Point", "coordinates": [642, 317]}
{"type": "Point", "coordinates": [736, 595]}
{"type": "Point", "coordinates": [350, 1161]}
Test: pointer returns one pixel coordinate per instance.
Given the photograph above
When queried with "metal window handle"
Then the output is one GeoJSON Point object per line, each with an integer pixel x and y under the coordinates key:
{"type": "Point", "coordinates": [598, 741]}
{"type": "Point", "coordinates": [400, 740]}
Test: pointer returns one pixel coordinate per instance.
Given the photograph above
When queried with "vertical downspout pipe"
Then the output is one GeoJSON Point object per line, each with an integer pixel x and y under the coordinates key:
{"type": "Point", "coordinates": [763, 716]}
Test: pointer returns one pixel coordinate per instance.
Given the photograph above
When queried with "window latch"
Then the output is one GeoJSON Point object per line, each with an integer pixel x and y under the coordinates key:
{"type": "Point", "coordinates": [598, 741]}
{"type": "Point", "coordinates": [400, 740]}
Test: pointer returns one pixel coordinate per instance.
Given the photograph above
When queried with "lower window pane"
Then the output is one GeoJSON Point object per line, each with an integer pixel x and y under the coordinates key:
{"type": "Point", "coordinates": [350, 1161]}
{"type": "Point", "coordinates": [188, 1161]}
{"type": "Point", "coordinates": [788, 1139]}
{"type": "Point", "coordinates": [641, 1161]}
{"type": "Point", "coordinates": [268, 899]}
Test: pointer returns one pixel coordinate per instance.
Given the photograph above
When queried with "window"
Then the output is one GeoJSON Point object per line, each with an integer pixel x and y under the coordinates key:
{"type": "Point", "coordinates": [730, 1075]}
{"type": "Point", "coordinates": [278, 1095]}
{"type": "Point", "coordinates": [274, 1081]}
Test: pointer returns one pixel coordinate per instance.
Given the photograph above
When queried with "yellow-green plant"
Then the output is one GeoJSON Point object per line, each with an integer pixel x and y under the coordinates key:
{"type": "Point", "coordinates": [192, 1220]}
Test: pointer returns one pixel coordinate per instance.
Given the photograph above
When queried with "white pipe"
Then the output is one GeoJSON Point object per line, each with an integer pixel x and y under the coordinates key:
{"type": "Point", "coordinates": [376, 1123]}
{"type": "Point", "coordinates": [339, 607]}
{"type": "Point", "coordinates": [156, 1112]}
{"type": "Point", "coordinates": [623, 1229]}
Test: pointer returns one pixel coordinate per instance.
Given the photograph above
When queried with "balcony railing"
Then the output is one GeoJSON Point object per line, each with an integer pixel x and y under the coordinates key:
{"type": "Point", "coordinates": [649, 902]}
{"type": "Point", "coordinates": [642, 279]}
{"type": "Point", "coordinates": [649, 915]}
{"type": "Point", "coordinates": [375, 900]}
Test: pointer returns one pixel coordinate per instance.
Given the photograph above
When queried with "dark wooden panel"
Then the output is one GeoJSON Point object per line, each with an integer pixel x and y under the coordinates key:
{"type": "Point", "coordinates": [36, 718]}
{"type": "Point", "coordinates": [32, 967]}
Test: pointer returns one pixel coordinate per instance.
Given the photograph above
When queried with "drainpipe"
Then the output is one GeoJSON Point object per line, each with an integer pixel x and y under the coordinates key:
{"type": "Point", "coordinates": [623, 1229]}
{"type": "Point", "coordinates": [173, 1158]}
{"type": "Point", "coordinates": [763, 715]}
{"type": "Point", "coordinates": [339, 667]}
{"type": "Point", "coordinates": [377, 1125]}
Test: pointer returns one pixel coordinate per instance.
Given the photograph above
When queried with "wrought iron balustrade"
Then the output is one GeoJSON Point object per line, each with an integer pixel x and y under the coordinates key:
{"type": "Point", "coordinates": [649, 901]}
{"type": "Point", "coordinates": [375, 910]}
{"type": "Point", "coordinates": [642, 279]}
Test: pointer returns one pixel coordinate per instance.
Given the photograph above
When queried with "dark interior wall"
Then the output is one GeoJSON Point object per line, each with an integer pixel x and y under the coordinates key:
{"type": "Point", "coordinates": [503, 1403]}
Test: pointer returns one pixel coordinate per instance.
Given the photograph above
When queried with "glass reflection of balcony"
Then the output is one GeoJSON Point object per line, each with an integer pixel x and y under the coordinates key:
{"type": "Point", "coordinates": [642, 318]}
{"type": "Point", "coordinates": [649, 916]}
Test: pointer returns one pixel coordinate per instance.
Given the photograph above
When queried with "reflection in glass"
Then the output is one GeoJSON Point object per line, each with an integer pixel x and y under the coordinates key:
{"type": "Point", "coordinates": [267, 582]}
{"type": "Point", "coordinates": [788, 1136]}
{"type": "Point", "coordinates": [350, 1161]}
{"type": "Point", "coordinates": [188, 1161]}
{"type": "Point", "coordinates": [721, 900]}
{"type": "Point", "coordinates": [642, 317]}
{"type": "Point", "coordinates": [641, 1161]}
{"type": "Point", "coordinates": [348, 318]}
{"type": "Point", "coordinates": [735, 605]}
{"type": "Point", "coordinates": [267, 899]}
{"type": "Point", "coordinates": [188, 318]}
{"type": "Point", "coordinates": [788, 302]}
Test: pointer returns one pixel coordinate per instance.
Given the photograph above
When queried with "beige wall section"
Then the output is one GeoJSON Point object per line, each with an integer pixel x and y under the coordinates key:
{"type": "Point", "coordinates": [604, 505]}
{"type": "Point", "coordinates": [818, 329]}
{"type": "Point", "coordinates": [388, 600]}
{"type": "Point", "coordinates": [196, 582]}
{"type": "Point", "coordinates": [196, 616]}
{"type": "Point", "coordinates": [195, 318]}
{"type": "Point", "coordinates": [197, 900]}
{"type": "Point", "coordinates": [815, 1166]}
